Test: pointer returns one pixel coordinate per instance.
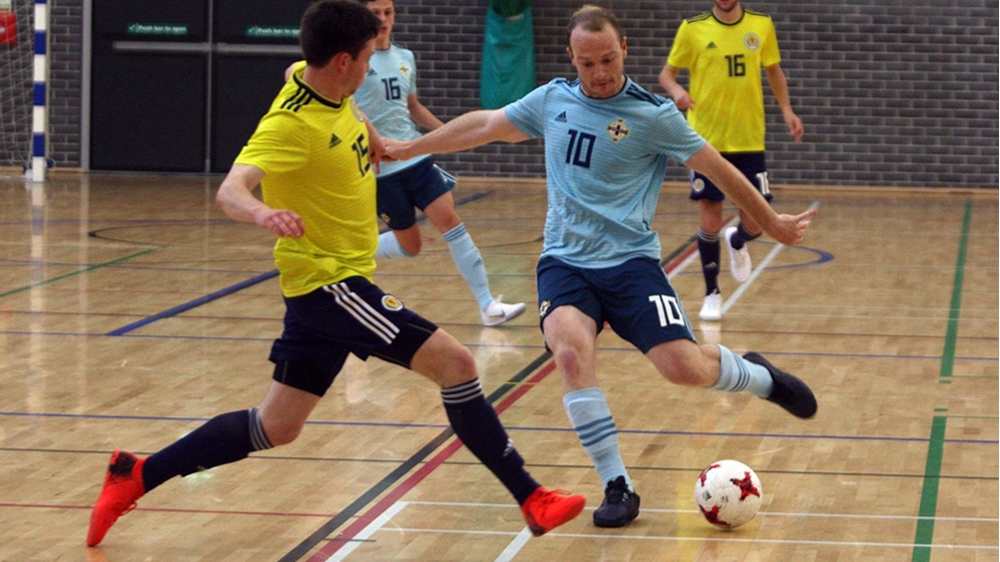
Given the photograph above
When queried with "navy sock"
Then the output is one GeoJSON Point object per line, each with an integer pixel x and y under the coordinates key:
{"type": "Point", "coordinates": [476, 423]}
{"type": "Point", "coordinates": [223, 439]}
{"type": "Point", "coordinates": [742, 236]}
{"type": "Point", "coordinates": [708, 247]}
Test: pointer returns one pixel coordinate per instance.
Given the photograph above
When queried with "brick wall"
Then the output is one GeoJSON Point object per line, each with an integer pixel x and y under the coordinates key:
{"type": "Point", "coordinates": [900, 93]}
{"type": "Point", "coordinates": [65, 52]}
{"type": "Point", "coordinates": [891, 92]}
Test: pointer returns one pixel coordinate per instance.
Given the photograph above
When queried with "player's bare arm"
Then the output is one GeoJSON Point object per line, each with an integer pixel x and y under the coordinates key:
{"type": "Point", "coordinates": [668, 81]}
{"type": "Point", "coordinates": [376, 147]}
{"type": "Point", "coordinates": [468, 131]}
{"type": "Point", "coordinates": [236, 198]}
{"type": "Point", "coordinates": [787, 229]}
{"type": "Point", "coordinates": [779, 87]}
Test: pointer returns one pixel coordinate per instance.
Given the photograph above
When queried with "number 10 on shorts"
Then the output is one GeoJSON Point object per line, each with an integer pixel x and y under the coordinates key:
{"type": "Point", "coordinates": [669, 310]}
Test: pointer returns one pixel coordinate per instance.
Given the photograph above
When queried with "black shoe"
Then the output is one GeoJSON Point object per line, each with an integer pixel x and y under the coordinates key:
{"type": "Point", "coordinates": [789, 392]}
{"type": "Point", "coordinates": [620, 505]}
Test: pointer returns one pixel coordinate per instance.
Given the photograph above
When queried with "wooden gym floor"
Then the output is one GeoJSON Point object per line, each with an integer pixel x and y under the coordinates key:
{"type": "Point", "coordinates": [132, 310]}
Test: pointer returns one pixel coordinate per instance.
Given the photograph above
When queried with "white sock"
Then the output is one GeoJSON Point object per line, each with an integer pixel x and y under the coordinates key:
{"type": "Point", "coordinates": [470, 263]}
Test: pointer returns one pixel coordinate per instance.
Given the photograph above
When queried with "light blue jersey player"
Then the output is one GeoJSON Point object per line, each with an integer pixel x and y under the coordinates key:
{"type": "Point", "coordinates": [605, 160]}
{"type": "Point", "coordinates": [388, 97]}
{"type": "Point", "coordinates": [607, 141]}
{"type": "Point", "coordinates": [384, 97]}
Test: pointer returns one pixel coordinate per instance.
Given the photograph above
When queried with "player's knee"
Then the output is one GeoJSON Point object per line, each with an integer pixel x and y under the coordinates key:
{"type": "Point", "coordinates": [454, 365]}
{"type": "Point", "coordinates": [463, 364]}
{"type": "Point", "coordinates": [568, 360]}
{"type": "Point", "coordinates": [409, 239]}
{"type": "Point", "coordinates": [412, 245]}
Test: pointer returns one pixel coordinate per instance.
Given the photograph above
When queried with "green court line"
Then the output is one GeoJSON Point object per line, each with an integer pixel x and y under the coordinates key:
{"type": "Point", "coordinates": [948, 360]}
{"type": "Point", "coordinates": [928, 496]}
{"type": "Point", "coordinates": [935, 449]}
{"type": "Point", "coordinates": [85, 270]}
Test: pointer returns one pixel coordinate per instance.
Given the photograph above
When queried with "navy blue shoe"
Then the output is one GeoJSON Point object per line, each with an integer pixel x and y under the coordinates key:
{"type": "Point", "coordinates": [790, 392]}
{"type": "Point", "coordinates": [620, 505]}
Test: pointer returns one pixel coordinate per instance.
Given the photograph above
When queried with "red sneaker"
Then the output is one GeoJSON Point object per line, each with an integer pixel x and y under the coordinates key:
{"type": "Point", "coordinates": [547, 509]}
{"type": "Point", "coordinates": [122, 487]}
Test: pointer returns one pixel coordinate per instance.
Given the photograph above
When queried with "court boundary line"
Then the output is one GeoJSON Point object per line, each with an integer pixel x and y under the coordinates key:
{"type": "Point", "coordinates": [765, 513]}
{"type": "Point", "coordinates": [78, 272]}
{"type": "Point", "coordinates": [924, 539]}
{"type": "Point", "coordinates": [664, 538]}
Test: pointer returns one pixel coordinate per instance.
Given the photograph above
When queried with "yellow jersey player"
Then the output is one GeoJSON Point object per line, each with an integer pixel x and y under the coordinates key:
{"type": "Point", "coordinates": [724, 50]}
{"type": "Point", "coordinates": [313, 156]}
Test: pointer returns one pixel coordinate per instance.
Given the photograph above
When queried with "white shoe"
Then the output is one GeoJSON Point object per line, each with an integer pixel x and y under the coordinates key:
{"type": "Point", "coordinates": [497, 312]}
{"type": "Point", "coordinates": [739, 260]}
{"type": "Point", "coordinates": [711, 311]}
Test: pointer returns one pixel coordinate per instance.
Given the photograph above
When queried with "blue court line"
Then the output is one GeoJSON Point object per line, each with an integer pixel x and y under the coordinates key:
{"type": "Point", "coordinates": [230, 290]}
{"type": "Point", "coordinates": [194, 304]}
{"type": "Point", "coordinates": [153, 266]}
{"type": "Point", "coordinates": [478, 345]}
{"type": "Point", "coordinates": [150, 336]}
{"type": "Point", "coordinates": [679, 433]}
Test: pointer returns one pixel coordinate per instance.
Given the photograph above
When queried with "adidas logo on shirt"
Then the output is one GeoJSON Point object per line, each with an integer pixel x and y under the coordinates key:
{"type": "Point", "coordinates": [334, 140]}
{"type": "Point", "coordinates": [711, 45]}
{"type": "Point", "coordinates": [561, 118]}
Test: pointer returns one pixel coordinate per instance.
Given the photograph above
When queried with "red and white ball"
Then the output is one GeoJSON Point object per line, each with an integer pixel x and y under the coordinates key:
{"type": "Point", "coordinates": [728, 493]}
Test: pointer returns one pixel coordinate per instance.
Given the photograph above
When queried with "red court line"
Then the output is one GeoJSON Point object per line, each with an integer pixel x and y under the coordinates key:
{"type": "Point", "coordinates": [678, 259]}
{"type": "Point", "coordinates": [393, 496]}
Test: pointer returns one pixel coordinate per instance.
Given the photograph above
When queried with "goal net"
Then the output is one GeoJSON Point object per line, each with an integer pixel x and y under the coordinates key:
{"type": "Point", "coordinates": [16, 83]}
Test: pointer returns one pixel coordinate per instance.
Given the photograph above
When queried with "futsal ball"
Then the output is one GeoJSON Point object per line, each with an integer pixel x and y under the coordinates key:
{"type": "Point", "coordinates": [728, 493]}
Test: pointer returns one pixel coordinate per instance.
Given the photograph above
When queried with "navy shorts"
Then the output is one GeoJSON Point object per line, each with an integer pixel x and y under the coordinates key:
{"type": "Point", "coordinates": [750, 163]}
{"type": "Point", "coordinates": [351, 316]}
{"type": "Point", "coordinates": [634, 298]}
{"type": "Point", "coordinates": [417, 186]}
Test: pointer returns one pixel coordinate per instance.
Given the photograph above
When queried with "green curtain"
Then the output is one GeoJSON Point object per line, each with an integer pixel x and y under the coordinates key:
{"type": "Point", "coordinates": [508, 71]}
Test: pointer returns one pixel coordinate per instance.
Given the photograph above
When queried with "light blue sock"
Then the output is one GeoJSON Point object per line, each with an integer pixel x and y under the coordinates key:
{"type": "Point", "coordinates": [737, 374]}
{"type": "Point", "coordinates": [388, 247]}
{"type": "Point", "coordinates": [591, 418]}
{"type": "Point", "coordinates": [470, 263]}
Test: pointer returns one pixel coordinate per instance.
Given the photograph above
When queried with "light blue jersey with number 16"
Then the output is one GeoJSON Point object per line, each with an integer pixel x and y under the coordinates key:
{"type": "Point", "coordinates": [384, 98]}
{"type": "Point", "coordinates": [605, 160]}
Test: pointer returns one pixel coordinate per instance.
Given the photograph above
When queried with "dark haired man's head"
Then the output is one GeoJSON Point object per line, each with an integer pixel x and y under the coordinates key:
{"type": "Point", "coordinates": [336, 26]}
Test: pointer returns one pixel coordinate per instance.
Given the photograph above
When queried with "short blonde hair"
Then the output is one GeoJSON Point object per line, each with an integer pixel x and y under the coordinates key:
{"type": "Point", "coordinates": [593, 18]}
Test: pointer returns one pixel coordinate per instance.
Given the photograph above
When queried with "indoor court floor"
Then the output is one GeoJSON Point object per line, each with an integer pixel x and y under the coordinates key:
{"type": "Point", "coordinates": [132, 310]}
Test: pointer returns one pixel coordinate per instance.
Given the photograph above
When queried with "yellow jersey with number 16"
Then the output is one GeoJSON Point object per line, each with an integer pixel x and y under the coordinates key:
{"type": "Point", "coordinates": [314, 153]}
{"type": "Point", "coordinates": [724, 64]}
